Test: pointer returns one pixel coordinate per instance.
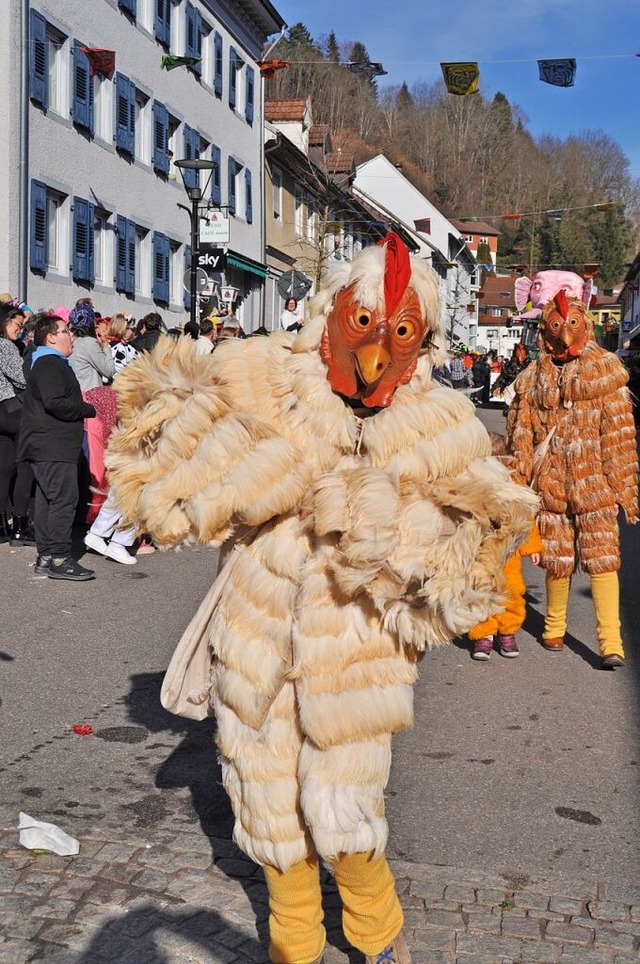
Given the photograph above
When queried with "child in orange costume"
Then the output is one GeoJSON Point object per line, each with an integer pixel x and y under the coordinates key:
{"type": "Point", "coordinates": [505, 624]}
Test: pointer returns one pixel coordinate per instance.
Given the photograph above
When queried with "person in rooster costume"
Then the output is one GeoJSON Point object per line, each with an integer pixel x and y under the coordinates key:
{"type": "Point", "coordinates": [572, 432]}
{"type": "Point", "coordinates": [369, 522]}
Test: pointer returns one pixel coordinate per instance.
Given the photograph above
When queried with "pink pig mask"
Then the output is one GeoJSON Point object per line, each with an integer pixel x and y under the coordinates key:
{"type": "Point", "coordinates": [545, 286]}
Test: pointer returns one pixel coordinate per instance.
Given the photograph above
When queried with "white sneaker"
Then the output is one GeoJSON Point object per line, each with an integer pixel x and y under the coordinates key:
{"type": "Point", "coordinates": [96, 543]}
{"type": "Point", "coordinates": [119, 553]}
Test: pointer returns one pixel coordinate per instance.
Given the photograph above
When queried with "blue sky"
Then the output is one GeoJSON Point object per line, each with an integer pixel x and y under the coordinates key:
{"type": "Point", "coordinates": [412, 37]}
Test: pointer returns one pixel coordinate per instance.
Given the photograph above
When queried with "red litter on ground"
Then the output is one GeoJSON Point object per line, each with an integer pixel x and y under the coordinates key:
{"type": "Point", "coordinates": [84, 729]}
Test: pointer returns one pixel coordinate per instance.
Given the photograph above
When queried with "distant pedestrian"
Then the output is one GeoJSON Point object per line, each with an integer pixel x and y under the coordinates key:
{"type": "Point", "coordinates": [120, 334]}
{"type": "Point", "coordinates": [458, 371]}
{"type": "Point", "coordinates": [291, 315]}
{"type": "Point", "coordinates": [481, 371]}
{"type": "Point", "coordinates": [151, 327]}
{"type": "Point", "coordinates": [207, 337]}
{"type": "Point", "coordinates": [91, 358]}
{"type": "Point", "coordinates": [50, 440]}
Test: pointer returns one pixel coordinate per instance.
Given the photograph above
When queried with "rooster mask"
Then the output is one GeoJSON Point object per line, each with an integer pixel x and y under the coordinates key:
{"type": "Point", "coordinates": [377, 324]}
{"type": "Point", "coordinates": [565, 328]}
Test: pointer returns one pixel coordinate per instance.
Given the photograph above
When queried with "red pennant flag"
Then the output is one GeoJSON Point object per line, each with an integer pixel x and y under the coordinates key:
{"type": "Point", "coordinates": [101, 61]}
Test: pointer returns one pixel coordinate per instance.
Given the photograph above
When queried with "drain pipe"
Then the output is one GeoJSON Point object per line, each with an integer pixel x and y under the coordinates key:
{"type": "Point", "coordinates": [23, 214]}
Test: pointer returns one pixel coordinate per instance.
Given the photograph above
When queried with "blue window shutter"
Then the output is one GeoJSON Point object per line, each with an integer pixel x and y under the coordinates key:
{"type": "Point", "coordinates": [82, 89]}
{"type": "Point", "coordinates": [190, 41]}
{"type": "Point", "coordinates": [83, 269]}
{"type": "Point", "coordinates": [232, 77]}
{"type": "Point", "coordinates": [161, 253]}
{"type": "Point", "coordinates": [191, 141]}
{"type": "Point", "coordinates": [250, 85]}
{"type": "Point", "coordinates": [162, 22]}
{"type": "Point", "coordinates": [232, 185]}
{"type": "Point", "coordinates": [248, 196]}
{"type": "Point", "coordinates": [216, 175]}
{"type": "Point", "coordinates": [217, 69]}
{"type": "Point", "coordinates": [160, 137]}
{"type": "Point", "coordinates": [129, 6]}
{"type": "Point", "coordinates": [38, 227]}
{"type": "Point", "coordinates": [124, 110]}
{"type": "Point", "coordinates": [132, 118]}
{"type": "Point", "coordinates": [187, 267]}
{"type": "Point", "coordinates": [38, 58]}
{"type": "Point", "coordinates": [121, 253]}
{"type": "Point", "coordinates": [131, 258]}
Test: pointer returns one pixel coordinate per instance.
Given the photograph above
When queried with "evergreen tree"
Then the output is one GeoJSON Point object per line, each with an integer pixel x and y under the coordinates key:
{"type": "Point", "coordinates": [611, 235]}
{"type": "Point", "coordinates": [404, 100]}
{"type": "Point", "coordinates": [299, 34]}
{"type": "Point", "coordinates": [333, 49]}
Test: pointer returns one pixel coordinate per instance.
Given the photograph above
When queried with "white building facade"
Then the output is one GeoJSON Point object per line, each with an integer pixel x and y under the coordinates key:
{"type": "Point", "coordinates": [383, 185]}
{"type": "Point", "coordinates": [89, 206]}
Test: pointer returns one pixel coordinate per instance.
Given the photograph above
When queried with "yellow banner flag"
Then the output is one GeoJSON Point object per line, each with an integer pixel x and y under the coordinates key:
{"type": "Point", "coordinates": [461, 78]}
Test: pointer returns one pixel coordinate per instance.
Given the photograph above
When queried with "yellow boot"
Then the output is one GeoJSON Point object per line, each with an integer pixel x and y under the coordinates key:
{"type": "Point", "coordinates": [555, 621]}
{"type": "Point", "coordinates": [295, 922]}
{"type": "Point", "coordinates": [372, 916]}
{"type": "Point", "coordinates": [605, 591]}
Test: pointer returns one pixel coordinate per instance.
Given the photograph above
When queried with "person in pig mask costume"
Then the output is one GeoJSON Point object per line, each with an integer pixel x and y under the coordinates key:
{"type": "Point", "coordinates": [545, 286]}
{"type": "Point", "coordinates": [571, 432]}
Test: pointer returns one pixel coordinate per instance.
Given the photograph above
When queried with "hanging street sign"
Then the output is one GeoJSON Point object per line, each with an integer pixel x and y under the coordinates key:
{"type": "Point", "coordinates": [211, 258]}
{"type": "Point", "coordinates": [215, 229]}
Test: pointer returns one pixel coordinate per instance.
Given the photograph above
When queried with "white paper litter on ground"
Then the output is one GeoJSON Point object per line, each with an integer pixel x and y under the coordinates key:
{"type": "Point", "coordinates": [37, 835]}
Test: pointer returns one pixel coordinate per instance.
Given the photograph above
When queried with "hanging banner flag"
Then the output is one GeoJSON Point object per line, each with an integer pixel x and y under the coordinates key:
{"type": "Point", "coordinates": [268, 67]}
{"type": "Point", "coordinates": [466, 220]}
{"type": "Point", "coordinates": [370, 69]}
{"type": "Point", "coordinates": [560, 73]}
{"type": "Point", "coordinates": [604, 206]}
{"type": "Point", "coordinates": [555, 215]}
{"type": "Point", "coordinates": [423, 225]}
{"type": "Point", "coordinates": [461, 78]}
{"type": "Point", "coordinates": [171, 61]}
{"type": "Point", "coordinates": [510, 217]}
{"type": "Point", "coordinates": [101, 61]}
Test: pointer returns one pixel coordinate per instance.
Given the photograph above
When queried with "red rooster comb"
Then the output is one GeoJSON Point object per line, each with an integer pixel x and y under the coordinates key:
{"type": "Point", "coordinates": [397, 270]}
{"type": "Point", "coordinates": [562, 302]}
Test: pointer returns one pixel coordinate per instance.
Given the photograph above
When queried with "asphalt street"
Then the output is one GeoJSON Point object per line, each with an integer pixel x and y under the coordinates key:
{"type": "Point", "coordinates": [525, 767]}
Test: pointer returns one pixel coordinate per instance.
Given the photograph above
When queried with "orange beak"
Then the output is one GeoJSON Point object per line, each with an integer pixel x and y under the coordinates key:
{"type": "Point", "coordinates": [372, 361]}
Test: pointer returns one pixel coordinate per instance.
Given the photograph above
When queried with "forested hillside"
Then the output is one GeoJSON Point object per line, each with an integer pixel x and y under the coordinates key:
{"type": "Point", "coordinates": [474, 157]}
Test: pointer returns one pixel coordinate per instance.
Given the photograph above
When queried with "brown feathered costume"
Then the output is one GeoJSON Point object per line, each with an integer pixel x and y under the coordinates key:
{"type": "Point", "coordinates": [572, 432]}
{"type": "Point", "coordinates": [369, 534]}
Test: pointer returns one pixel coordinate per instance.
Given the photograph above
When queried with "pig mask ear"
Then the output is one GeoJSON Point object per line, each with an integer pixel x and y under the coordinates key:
{"type": "Point", "coordinates": [522, 289]}
{"type": "Point", "coordinates": [586, 292]}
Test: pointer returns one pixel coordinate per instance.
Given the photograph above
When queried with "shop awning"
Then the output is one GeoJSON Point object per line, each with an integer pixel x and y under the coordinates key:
{"type": "Point", "coordinates": [246, 264]}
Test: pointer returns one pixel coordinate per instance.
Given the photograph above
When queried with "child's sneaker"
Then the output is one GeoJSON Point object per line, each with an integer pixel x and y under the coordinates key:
{"type": "Point", "coordinates": [507, 646]}
{"type": "Point", "coordinates": [482, 648]}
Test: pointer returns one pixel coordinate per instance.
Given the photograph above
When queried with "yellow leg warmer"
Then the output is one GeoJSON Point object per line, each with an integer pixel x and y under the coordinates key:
{"type": "Point", "coordinates": [555, 621]}
{"type": "Point", "coordinates": [295, 922]}
{"type": "Point", "coordinates": [606, 601]}
{"type": "Point", "coordinates": [372, 916]}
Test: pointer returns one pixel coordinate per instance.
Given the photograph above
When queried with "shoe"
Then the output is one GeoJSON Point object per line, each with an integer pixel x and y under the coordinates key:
{"type": "Point", "coordinates": [22, 533]}
{"type": "Point", "coordinates": [507, 646]}
{"type": "Point", "coordinates": [42, 563]}
{"type": "Point", "coordinates": [482, 648]}
{"type": "Point", "coordinates": [396, 953]}
{"type": "Point", "coordinates": [5, 527]}
{"type": "Point", "coordinates": [145, 548]}
{"type": "Point", "coordinates": [96, 543]}
{"type": "Point", "coordinates": [119, 553]}
{"type": "Point", "coordinates": [65, 567]}
{"type": "Point", "coordinates": [554, 644]}
{"type": "Point", "coordinates": [612, 662]}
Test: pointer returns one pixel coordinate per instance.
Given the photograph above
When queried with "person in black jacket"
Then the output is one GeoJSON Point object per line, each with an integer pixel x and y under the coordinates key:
{"type": "Point", "coordinates": [53, 414]}
{"type": "Point", "coordinates": [151, 327]}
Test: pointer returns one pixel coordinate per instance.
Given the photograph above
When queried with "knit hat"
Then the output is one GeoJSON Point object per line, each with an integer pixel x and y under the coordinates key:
{"type": "Point", "coordinates": [82, 317]}
{"type": "Point", "coordinates": [62, 312]}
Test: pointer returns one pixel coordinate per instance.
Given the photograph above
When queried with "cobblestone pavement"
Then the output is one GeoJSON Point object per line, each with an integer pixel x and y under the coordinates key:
{"type": "Point", "coordinates": [160, 899]}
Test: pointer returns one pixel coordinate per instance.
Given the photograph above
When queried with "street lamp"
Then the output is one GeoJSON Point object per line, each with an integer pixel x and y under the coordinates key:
{"type": "Point", "coordinates": [195, 194]}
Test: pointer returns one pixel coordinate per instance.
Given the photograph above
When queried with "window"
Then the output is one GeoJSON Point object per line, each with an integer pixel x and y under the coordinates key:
{"type": "Point", "coordinates": [310, 233]}
{"type": "Point", "coordinates": [236, 90]}
{"type": "Point", "coordinates": [298, 212]}
{"type": "Point", "coordinates": [142, 128]}
{"type": "Point", "coordinates": [145, 14]}
{"type": "Point", "coordinates": [160, 138]}
{"type": "Point", "coordinates": [125, 114]}
{"type": "Point", "coordinates": [248, 196]}
{"type": "Point", "coordinates": [173, 146]}
{"type": "Point", "coordinates": [191, 148]}
{"type": "Point", "coordinates": [103, 108]}
{"type": "Point", "coordinates": [176, 273]}
{"type": "Point", "coordinates": [483, 239]}
{"type": "Point", "coordinates": [83, 241]}
{"type": "Point", "coordinates": [162, 22]}
{"type": "Point", "coordinates": [48, 68]}
{"type": "Point", "coordinates": [129, 6]}
{"type": "Point", "coordinates": [208, 56]}
{"type": "Point", "coordinates": [276, 181]}
{"type": "Point", "coordinates": [176, 27]}
{"type": "Point", "coordinates": [142, 264]}
{"type": "Point", "coordinates": [161, 267]}
{"type": "Point", "coordinates": [193, 36]}
{"type": "Point", "coordinates": [233, 169]}
{"type": "Point", "coordinates": [102, 249]}
{"type": "Point", "coordinates": [48, 249]}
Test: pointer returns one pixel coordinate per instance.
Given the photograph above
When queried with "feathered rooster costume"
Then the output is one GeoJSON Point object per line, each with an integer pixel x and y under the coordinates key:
{"type": "Point", "coordinates": [374, 524]}
{"type": "Point", "coordinates": [572, 432]}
